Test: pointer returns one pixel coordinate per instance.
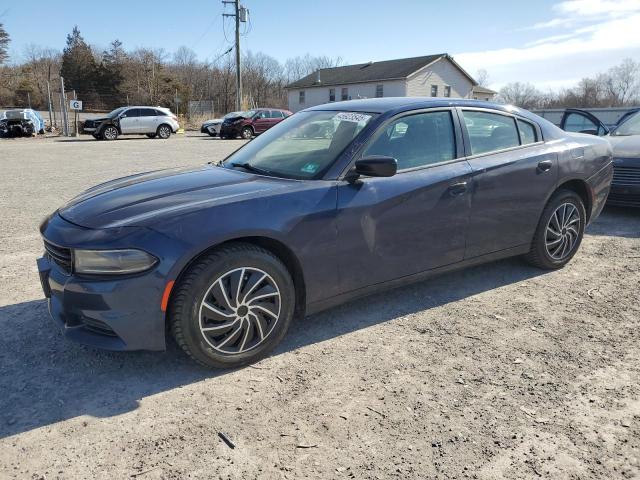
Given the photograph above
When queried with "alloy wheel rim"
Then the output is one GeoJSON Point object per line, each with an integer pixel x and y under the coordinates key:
{"type": "Point", "coordinates": [164, 133]}
{"type": "Point", "coordinates": [563, 231]}
{"type": "Point", "coordinates": [110, 133]}
{"type": "Point", "coordinates": [246, 133]}
{"type": "Point", "coordinates": [239, 310]}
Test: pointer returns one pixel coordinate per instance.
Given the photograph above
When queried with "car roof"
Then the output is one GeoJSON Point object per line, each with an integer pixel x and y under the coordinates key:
{"type": "Point", "coordinates": [389, 104]}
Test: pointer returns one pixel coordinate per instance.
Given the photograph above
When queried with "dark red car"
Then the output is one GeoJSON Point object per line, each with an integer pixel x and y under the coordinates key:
{"type": "Point", "coordinates": [252, 122]}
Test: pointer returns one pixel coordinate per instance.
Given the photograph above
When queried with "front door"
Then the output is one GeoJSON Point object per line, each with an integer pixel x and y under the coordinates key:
{"type": "Point", "coordinates": [129, 121]}
{"type": "Point", "coordinates": [414, 221]}
{"type": "Point", "coordinates": [261, 121]}
{"type": "Point", "coordinates": [513, 174]}
{"type": "Point", "coordinates": [581, 121]}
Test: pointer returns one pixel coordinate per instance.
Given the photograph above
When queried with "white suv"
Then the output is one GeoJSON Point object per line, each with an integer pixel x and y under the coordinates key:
{"type": "Point", "coordinates": [150, 121]}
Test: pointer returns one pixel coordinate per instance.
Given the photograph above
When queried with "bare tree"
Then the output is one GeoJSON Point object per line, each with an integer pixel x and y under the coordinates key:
{"type": "Point", "coordinates": [523, 95]}
{"type": "Point", "coordinates": [4, 44]}
{"type": "Point", "coordinates": [298, 67]}
{"type": "Point", "coordinates": [623, 82]}
{"type": "Point", "coordinates": [482, 77]}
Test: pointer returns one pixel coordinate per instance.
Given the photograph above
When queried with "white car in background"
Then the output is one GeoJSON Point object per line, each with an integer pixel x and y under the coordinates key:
{"type": "Point", "coordinates": [212, 127]}
{"type": "Point", "coordinates": [150, 121]}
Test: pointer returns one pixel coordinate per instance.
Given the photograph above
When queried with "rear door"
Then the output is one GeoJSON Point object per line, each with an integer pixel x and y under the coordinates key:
{"type": "Point", "coordinates": [411, 222]}
{"type": "Point", "coordinates": [581, 121]}
{"type": "Point", "coordinates": [276, 116]}
{"type": "Point", "coordinates": [129, 121]}
{"type": "Point", "coordinates": [513, 173]}
{"type": "Point", "coordinates": [148, 122]}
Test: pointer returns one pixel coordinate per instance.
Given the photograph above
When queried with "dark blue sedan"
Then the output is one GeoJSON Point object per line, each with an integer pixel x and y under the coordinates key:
{"type": "Point", "coordinates": [335, 202]}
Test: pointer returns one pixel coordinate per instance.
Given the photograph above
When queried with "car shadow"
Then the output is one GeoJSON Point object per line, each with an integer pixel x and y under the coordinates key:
{"type": "Point", "coordinates": [46, 379]}
{"type": "Point", "coordinates": [616, 222]}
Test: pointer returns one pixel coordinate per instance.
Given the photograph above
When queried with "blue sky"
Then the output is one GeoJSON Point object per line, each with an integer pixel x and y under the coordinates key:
{"type": "Point", "coordinates": [551, 43]}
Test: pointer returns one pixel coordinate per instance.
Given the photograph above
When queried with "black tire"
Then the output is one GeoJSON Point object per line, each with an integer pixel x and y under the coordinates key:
{"type": "Point", "coordinates": [164, 131]}
{"type": "Point", "coordinates": [557, 240]}
{"type": "Point", "coordinates": [97, 137]}
{"type": "Point", "coordinates": [151, 135]}
{"type": "Point", "coordinates": [211, 134]}
{"type": "Point", "coordinates": [205, 279]}
{"type": "Point", "coordinates": [246, 133]}
{"type": "Point", "coordinates": [109, 133]}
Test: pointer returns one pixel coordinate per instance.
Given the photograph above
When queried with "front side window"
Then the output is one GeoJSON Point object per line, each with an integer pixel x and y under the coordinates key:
{"type": "Point", "coordinates": [301, 97]}
{"type": "Point", "coordinates": [379, 91]}
{"type": "Point", "coordinates": [447, 91]}
{"type": "Point", "coordinates": [332, 94]}
{"type": "Point", "coordinates": [527, 132]}
{"type": "Point", "coordinates": [302, 146]}
{"type": "Point", "coordinates": [132, 112]}
{"type": "Point", "coordinates": [576, 122]}
{"type": "Point", "coordinates": [262, 114]}
{"type": "Point", "coordinates": [489, 132]}
{"type": "Point", "coordinates": [345, 94]}
{"type": "Point", "coordinates": [434, 90]}
{"type": "Point", "coordinates": [631, 126]}
{"type": "Point", "coordinates": [417, 140]}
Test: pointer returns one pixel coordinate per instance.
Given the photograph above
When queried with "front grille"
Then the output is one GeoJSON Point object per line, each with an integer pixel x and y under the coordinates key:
{"type": "Point", "coordinates": [60, 255]}
{"type": "Point", "coordinates": [98, 326]}
{"type": "Point", "coordinates": [626, 175]}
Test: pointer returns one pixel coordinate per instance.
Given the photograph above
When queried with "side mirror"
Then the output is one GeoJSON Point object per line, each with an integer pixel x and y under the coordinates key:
{"type": "Point", "coordinates": [377, 166]}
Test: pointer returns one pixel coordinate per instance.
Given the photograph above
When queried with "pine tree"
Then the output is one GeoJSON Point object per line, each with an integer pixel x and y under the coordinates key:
{"type": "Point", "coordinates": [4, 44]}
{"type": "Point", "coordinates": [110, 73]}
{"type": "Point", "coordinates": [79, 68]}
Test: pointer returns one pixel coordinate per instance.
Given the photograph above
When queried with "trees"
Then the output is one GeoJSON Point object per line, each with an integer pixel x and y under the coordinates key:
{"type": "Point", "coordinates": [4, 44]}
{"type": "Point", "coordinates": [79, 67]}
{"type": "Point", "coordinates": [524, 95]}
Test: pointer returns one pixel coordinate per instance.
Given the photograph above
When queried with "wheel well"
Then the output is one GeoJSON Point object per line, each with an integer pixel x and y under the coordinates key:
{"type": "Point", "coordinates": [280, 250]}
{"type": "Point", "coordinates": [579, 187]}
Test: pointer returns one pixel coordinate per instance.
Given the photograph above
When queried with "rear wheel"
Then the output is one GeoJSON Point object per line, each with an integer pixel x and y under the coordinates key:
{"type": "Point", "coordinates": [164, 131]}
{"type": "Point", "coordinates": [233, 306]}
{"type": "Point", "coordinates": [559, 232]}
{"type": "Point", "coordinates": [109, 133]}
{"type": "Point", "coordinates": [247, 133]}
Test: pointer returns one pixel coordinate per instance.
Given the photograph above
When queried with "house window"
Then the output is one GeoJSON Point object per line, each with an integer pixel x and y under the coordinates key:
{"type": "Point", "coordinates": [434, 90]}
{"type": "Point", "coordinates": [379, 91]}
{"type": "Point", "coordinates": [447, 91]}
{"type": "Point", "coordinates": [301, 97]}
{"type": "Point", "coordinates": [332, 94]}
{"type": "Point", "coordinates": [345, 94]}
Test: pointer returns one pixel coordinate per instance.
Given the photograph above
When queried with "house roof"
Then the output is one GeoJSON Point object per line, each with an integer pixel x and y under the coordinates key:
{"type": "Point", "coordinates": [371, 72]}
{"type": "Point", "coordinates": [479, 89]}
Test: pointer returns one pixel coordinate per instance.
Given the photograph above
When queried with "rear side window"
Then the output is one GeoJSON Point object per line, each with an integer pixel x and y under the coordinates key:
{"type": "Point", "coordinates": [276, 114]}
{"type": "Point", "coordinates": [147, 112]}
{"type": "Point", "coordinates": [417, 140]}
{"type": "Point", "coordinates": [489, 132]}
{"type": "Point", "coordinates": [527, 132]}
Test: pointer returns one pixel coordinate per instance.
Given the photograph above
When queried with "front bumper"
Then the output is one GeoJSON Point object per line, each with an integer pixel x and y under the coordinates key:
{"type": "Point", "coordinates": [625, 187]}
{"type": "Point", "coordinates": [230, 131]}
{"type": "Point", "coordinates": [110, 312]}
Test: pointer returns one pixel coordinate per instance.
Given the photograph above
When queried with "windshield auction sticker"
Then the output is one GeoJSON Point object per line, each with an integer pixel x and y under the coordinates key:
{"type": "Point", "coordinates": [352, 117]}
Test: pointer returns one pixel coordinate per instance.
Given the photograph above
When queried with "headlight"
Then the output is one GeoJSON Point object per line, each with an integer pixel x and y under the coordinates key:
{"type": "Point", "coordinates": [112, 261]}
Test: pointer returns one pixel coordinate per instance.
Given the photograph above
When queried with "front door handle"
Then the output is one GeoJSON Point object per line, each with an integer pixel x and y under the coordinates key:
{"type": "Point", "coordinates": [459, 188]}
{"type": "Point", "coordinates": [545, 165]}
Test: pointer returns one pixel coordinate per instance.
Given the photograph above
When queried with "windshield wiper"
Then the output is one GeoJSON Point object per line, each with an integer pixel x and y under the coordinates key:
{"type": "Point", "coordinates": [251, 168]}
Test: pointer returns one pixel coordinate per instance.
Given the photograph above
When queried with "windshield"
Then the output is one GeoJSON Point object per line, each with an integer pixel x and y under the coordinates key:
{"type": "Point", "coordinates": [302, 146]}
{"type": "Point", "coordinates": [116, 112]}
{"type": "Point", "coordinates": [631, 126]}
{"type": "Point", "coordinates": [247, 114]}
{"type": "Point", "coordinates": [233, 114]}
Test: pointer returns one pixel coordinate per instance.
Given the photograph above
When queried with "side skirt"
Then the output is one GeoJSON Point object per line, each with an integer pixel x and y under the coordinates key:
{"type": "Point", "coordinates": [325, 304]}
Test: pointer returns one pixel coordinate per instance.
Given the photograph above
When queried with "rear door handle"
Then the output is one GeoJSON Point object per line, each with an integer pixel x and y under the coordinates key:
{"type": "Point", "coordinates": [545, 165]}
{"type": "Point", "coordinates": [459, 188]}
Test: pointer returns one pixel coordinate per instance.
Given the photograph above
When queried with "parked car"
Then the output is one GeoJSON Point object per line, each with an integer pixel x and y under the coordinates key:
{"type": "Point", "coordinates": [625, 140]}
{"type": "Point", "coordinates": [397, 190]}
{"type": "Point", "coordinates": [212, 127]}
{"type": "Point", "coordinates": [21, 122]}
{"type": "Point", "coordinates": [253, 122]}
{"type": "Point", "coordinates": [150, 121]}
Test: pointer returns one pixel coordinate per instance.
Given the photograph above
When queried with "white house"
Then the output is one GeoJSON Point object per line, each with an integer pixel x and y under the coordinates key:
{"type": "Point", "coordinates": [428, 76]}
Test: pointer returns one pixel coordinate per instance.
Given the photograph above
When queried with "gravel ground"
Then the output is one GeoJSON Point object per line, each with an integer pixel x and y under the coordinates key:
{"type": "Point", "coordinates": [500, 371]}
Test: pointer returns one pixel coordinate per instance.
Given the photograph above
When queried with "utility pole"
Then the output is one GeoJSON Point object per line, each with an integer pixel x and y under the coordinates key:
{"type": "Point", "coordinates": [50, 108]}
{"type": "Point", "coordinates": [63, 104]}
{"type": "Point", "coordinates": [240, 16]}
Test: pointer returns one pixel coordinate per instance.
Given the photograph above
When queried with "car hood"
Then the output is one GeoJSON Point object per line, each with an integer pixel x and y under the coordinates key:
{"type": "Point", "coordinates": [625, 146]}
{"type": "Point", "coordinates": [141, 200]}
{"type": "Point", "coordinates": [213, 121]}
{"type": "Point", "coordinates": [98, 119]}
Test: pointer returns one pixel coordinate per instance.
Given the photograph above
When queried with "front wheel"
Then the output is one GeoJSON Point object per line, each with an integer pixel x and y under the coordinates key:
{"type": "Point", "coordinates": [110, 133]}
{"type": "Point", "coordinates": [559, 232]}
{"type": "Point", "coordinates": [164, 131]}
{"type": "Point", "coordinates": [233, 306]}
{"type": "Point", "coordinates": [246, 133]}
